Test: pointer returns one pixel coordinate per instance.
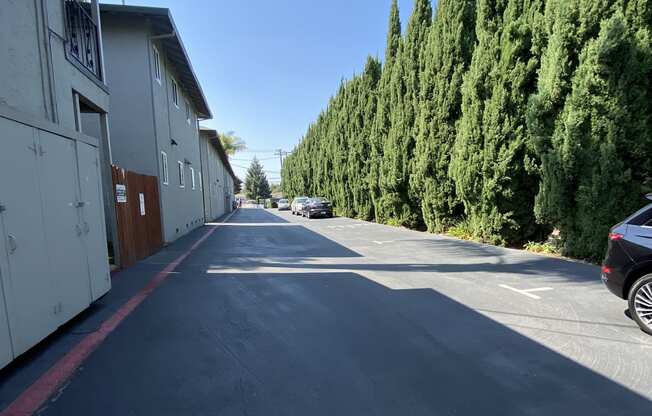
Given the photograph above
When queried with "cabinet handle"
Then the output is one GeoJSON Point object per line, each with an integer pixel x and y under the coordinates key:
{"type": "Point", "coordinates": [87, 228]}
{"type": "Point", "coordinates": [13, 245]}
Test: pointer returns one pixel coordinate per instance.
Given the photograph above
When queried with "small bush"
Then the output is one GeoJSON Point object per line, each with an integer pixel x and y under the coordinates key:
{"type": "Point", "coordinates": [542, 247]}
{"type": "Point", "coordinates": [462, 230]}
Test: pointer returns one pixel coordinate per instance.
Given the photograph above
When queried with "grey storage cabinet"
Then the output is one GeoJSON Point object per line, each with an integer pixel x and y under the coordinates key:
{"type": "Point", "coordinates": [53, 256]}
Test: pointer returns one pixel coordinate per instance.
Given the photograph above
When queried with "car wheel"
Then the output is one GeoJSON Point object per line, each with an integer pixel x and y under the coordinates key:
{"type": "Point", "coordinates": [640, 303]}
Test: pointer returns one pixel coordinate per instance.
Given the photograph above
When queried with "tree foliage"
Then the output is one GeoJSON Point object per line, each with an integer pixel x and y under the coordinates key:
{"type": "Point", "coordinates": [256, 184]}
{"type": "Point", "coordinates": [514, 116]}
{"type": "Point", "coordinates": [232, 143]}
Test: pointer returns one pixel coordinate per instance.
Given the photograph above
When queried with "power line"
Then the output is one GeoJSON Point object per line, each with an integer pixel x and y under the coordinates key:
{"type": "Point", "coordinates": [248, 160]}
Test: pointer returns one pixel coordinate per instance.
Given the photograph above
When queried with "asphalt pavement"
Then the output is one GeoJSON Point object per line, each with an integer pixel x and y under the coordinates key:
{"type": "Point", "coordinates": [280, 315]}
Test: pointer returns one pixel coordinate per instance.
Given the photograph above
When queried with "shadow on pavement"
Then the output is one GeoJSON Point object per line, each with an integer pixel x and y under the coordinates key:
{"type": "Point", "coordinates": [325, 344]}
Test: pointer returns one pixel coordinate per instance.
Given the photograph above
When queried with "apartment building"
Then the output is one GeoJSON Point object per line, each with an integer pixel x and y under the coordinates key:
{"type": "Point", "coordinates": [156, 102]}
{"type": "Point", "coordinates": [55, 154]}
{"type": "Point", "coordinates": [217, 175]}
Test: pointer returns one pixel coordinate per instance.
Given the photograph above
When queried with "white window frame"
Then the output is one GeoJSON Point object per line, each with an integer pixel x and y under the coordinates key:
{"type": "Point", "coordinates": [166, 172]}
{"type": "Point", "coordinates": [175, 92]}
{"type": "Point", "coordinates": [182, 175]}
{"type": "Point", "coordinates": [192, 178]}
{"type": "Point", "coordinates": [157, 65]}
{"type": "Point", "coordinates": [201, 186]}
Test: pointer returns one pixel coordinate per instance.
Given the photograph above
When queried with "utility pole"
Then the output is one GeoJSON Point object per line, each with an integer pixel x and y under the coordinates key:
{"type": "Point", "coordinates": [280, 154]}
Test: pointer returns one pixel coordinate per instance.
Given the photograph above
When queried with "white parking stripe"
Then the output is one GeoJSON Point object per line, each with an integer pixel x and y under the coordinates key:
{"type": "Point", "coordinates": [527, 292]}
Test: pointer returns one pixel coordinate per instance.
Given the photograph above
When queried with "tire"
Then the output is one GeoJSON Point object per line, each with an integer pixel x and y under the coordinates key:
{"type": "Point", "coordinates": [640, 297]}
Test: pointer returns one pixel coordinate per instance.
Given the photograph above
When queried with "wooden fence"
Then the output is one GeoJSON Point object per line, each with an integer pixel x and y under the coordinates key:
{"type": "Point", "coordinates": [138, 215]}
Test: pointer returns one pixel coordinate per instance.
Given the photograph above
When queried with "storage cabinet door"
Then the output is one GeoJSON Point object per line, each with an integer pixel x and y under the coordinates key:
{"type": "Point", "coordinates": [6, 354]}
{"type": "Point", "coordinates": [28, 284]}
{"type": "Point", "coordinates": [63, 227]}
{"type": "Point", "coordinates": [93, 219]}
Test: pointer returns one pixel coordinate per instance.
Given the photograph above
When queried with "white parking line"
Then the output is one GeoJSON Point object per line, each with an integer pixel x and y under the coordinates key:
{"type": "Point", "coordinates": [527, 292]}
{"type": "Point", "coordinates": [382, 242]}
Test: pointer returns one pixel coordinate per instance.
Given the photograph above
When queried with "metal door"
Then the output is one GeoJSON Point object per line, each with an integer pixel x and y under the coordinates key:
{"type": "Point", "coordinates": [63, 226]}
{"type": "Point", "coordinates": [28, 284]}
{"type": "Point", "coordinates": [6, 353]}
{"type": "Point", "coordinates": [93, 219]}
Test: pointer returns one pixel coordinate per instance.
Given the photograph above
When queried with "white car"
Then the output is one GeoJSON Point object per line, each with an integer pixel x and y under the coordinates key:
{"type": "Point", "coordinates": [283, 204]}
{"type": "Point", "coordinates": [297, 204]}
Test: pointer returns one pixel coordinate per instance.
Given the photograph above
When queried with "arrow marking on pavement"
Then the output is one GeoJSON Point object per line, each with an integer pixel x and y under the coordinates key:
{"type": "Point", "coordinates": [527, 292]}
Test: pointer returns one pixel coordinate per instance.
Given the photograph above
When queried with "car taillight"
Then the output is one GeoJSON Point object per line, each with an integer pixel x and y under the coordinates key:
{"type": "Point", "coordinates": [615, 236]}
{"type": "Point", "coordinates": [606, 270]}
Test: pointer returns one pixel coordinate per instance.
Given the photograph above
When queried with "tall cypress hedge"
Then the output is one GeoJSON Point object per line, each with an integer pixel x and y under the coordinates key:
{"type": "Point", "coordinates": [515, 117]}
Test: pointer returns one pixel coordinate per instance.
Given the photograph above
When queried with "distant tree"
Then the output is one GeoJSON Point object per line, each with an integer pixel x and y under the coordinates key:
{"type": "Point", "coordinates": [256, 184]}
{"type": "Point", "coordinates": [232, 143]}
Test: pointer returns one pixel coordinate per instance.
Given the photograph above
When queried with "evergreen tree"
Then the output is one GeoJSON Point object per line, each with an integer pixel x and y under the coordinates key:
{"type": "Point", "coordinates": [601, 144]}
{"type": "Point", "coordinates": [398, 146]}
{"type": "Point", "coordinates": [362, 110]}
{"type": "Point", "coordinates": [490, 154]}
{"type": "Point", "coordinates": [381, 120]}
{"type": "Point", "coordinates": [447, 55]}
{"type": "Point", "coordinates": [528, 114]}
{"type": "Point", "coordinates": [256, 185]}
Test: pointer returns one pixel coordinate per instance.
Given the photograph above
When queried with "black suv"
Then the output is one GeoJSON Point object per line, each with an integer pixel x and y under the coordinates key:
{"type": "Point", "coordinates": [627, 267]}
{"type": "Point", "coordinates": [317, 207]}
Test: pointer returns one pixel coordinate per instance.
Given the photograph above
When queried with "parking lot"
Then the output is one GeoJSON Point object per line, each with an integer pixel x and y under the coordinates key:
{"type": "Point", "coordinates": [277, 314]}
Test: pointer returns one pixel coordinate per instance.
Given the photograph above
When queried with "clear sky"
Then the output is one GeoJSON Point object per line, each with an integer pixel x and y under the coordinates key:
{"type": "Point", "coordinates": [268, 68]}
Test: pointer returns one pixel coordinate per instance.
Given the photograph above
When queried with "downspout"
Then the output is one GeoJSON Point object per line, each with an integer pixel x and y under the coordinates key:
{"type": "Point", "coordinates": [52, 107]}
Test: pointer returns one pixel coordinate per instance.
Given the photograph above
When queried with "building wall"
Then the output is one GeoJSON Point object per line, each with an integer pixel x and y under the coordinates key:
{"type": "Point", "coordinates": [49, 177]}
{"type": "Point", "coordinates": [182, 206]}
{"type": "Point", "coordinates": [36, 79]}
{"type": "Point", "coordinates": [145, 121]}
{"type": "Point", "coordinates": [132, 127]}
{"type": "Point", "coordinates": [218, 183]}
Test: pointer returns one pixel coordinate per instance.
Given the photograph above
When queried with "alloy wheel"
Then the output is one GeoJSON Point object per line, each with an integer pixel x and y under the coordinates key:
{"type": "Point", "coordinates": [643, 304]}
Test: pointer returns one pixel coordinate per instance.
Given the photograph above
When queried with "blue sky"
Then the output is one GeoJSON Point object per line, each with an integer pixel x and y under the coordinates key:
{"type": "Point", "coordinates": [268, 68]}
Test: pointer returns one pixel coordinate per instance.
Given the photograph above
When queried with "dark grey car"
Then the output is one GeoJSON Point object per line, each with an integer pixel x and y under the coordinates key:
{"type": "Point", "coordinates": [317, 207]}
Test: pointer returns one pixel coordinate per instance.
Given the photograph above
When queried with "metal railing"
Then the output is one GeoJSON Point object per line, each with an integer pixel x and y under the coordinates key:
{"type": "Point", "coordinates": [83, 36]}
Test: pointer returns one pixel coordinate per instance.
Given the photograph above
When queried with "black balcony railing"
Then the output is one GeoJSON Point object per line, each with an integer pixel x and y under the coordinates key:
{"type": "Point", "coordinates": [83, 37]}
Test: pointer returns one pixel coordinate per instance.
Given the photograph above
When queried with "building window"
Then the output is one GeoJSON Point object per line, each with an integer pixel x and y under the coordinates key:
{"type": "Point", "coordinates": [164, 164]}
{"type": "Point", "coordinates": [182, 175]}
{"type": "Point", "coordinates": [188, 113]}
{"type": "Point", "coordinates": [157, 65]}
{"type": "Point", "coordinates": [192, 178]}
{"type": "Point", "coordinates": [175, 93]}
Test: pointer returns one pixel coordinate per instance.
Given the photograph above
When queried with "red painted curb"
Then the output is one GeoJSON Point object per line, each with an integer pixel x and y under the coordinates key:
{"type": "Point", "coordinates": [47, 384]}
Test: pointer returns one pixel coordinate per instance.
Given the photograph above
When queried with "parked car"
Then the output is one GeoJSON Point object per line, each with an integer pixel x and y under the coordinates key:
{"type": "Point", "coordinates": [297, 204]}
{"type": "Point", "coordinates": [283, 205]}
{"type": "Point", "coordinates": [627, 267]}
{"type": "Point", "coordinates": [317, 207]}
